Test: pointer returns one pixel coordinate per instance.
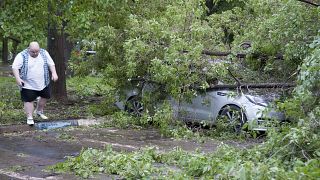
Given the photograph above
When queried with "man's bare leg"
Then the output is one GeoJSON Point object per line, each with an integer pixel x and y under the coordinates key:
{"type": "Point", "coordinates": [41, 104]}
{"type": "Point", "coordinates": [28, 108]}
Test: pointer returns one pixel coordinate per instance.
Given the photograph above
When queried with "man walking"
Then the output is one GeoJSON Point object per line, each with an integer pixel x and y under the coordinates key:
{"type": "Point", "coordinates": [31, 69]}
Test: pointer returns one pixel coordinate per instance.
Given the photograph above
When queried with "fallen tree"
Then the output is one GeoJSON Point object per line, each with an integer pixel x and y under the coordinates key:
{"type": "Point", "coordinates": [231, 86]}
{"type": "Point", "coordinates": [257, 85]}
{"type": "Point", "coordinates": [240, 85]}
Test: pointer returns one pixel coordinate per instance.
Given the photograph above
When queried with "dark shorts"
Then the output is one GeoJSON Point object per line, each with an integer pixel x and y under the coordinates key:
{"type": "Point", "coordinates": [28, 95]}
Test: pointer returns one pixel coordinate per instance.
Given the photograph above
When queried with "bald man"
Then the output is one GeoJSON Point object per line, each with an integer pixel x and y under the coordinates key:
{"type": "Point", "coordinates": [31, 68]}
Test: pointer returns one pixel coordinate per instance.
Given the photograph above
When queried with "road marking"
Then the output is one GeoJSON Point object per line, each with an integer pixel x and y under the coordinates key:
{"type": "Point", "coordinates": [25, 177]}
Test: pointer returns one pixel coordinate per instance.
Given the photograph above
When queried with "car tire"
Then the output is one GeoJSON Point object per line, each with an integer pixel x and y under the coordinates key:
{"type": "Point", "coordinates": [235, 117]}
{"type": "Point", "coordinates": [134, 106]}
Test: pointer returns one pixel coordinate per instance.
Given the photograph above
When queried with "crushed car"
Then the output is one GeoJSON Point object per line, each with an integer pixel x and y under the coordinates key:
{"type": "Point", "coordinates": [237, 106]}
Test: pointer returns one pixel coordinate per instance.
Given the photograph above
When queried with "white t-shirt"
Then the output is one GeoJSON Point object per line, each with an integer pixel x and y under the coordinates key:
{"type": "Point", "coordinates": [35, 74]}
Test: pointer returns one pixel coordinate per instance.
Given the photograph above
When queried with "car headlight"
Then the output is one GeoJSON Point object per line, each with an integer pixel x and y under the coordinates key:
{"type": "Point", "coordinates": [257, 100]}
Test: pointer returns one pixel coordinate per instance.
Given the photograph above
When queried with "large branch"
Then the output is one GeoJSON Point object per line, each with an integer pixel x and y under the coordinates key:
{"type": "Point", "coordinates": [259, 85]}
{"type": "Point", "coordinates": [310, 2]}
{"type": "Point", "coordinates": [215, 53]}
{"type": "Point", "coordinates": [212, 53]}
{"type": "Point", "coordinates": [233, 86]}
{"type": "Point", "coordinates": [218, 53]}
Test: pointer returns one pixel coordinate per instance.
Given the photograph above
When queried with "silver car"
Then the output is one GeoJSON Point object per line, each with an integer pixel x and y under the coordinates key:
{"type": "Point", "coordinates": [236, 107]}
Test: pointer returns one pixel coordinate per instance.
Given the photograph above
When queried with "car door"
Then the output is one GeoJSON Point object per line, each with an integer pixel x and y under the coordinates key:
{"type": "Point", "coordinates": [198, 109]}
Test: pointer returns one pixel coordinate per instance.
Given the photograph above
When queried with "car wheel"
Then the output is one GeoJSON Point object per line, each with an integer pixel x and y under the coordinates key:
{"type": "Point", "coordinates": [134, 106]}
{"type": "Point", "coordinates": [235, 117]}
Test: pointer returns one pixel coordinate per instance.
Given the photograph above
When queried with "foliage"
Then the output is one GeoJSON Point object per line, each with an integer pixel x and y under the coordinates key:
{"type": "Point", "coordinates": [160, 40]}
{"type": "Point", "coordinates": [306, 95]}
{"type": "Point", "coordinates": [92, 89]}
{"type": "Point", "coordinates": [81, 65]}
{"type": "Point", "coordinates": [9, 101]}
{"type": "Point", "coordinates": [27, 27]}
{"type": "Point", "coordinates": [168, 48]}
{"type": "Point", "coordinates": [165, 42]}
{"type": "Point", "coordinates": [278, 159]}
{"type": "Point", "coordinates": [133, 44]}
{"type": "Point", "coordinates": [88, 86]}
{"type": "Point", "coordinates": [134, 165]}
{"type": "Point", "coordinates": [279, 27]}
{"type": "Point", "coordinates": [123, 120]}
{"type": "Point", "coordinates": [292, 152]}
{"type": "Point", "coordinates": [223, 130]}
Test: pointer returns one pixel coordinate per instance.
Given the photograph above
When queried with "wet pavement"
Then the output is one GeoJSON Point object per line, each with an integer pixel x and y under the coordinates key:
{"type": "Point", "coordinates": [26, 152]}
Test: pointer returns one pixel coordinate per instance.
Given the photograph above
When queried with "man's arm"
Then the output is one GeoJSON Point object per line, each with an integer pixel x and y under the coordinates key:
{"type": "Point", "coordinates": [17, 76]}
{"type": "Point", "coordinates": [16, 65]}
{"type": "Point", "coordinates": [54, 75]}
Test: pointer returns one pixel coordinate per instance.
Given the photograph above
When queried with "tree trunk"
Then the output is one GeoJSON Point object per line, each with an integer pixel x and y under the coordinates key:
{"type": "Point", "coordinates": [56, 39]}
{"type": "Point", "coordinates": [5, 50]}
{"type": "Point", "coordinates": [15, 43]}
{"type": "Point", "coordinates": [14, 49]}
{"type": "Point", "coordinates": [56, 50]}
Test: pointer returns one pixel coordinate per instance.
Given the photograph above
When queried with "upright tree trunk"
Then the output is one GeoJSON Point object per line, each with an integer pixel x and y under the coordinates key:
{"type": "Point", "coordinates": [59, 49]}
{"type": "Point", "coordinates": [56, 50]}
{"type": "Point", "coordinates": [14, 49]}
{"type": "Point", "coordinates": [5, 50]}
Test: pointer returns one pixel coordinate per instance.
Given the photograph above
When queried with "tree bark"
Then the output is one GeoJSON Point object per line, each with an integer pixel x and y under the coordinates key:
{"type": "Point", "coordinates": [55, 40]}
{"type": "Point", "coordinates": [5, 50]}
{"type": "Point", "coordinates": [215, 53]}
{"type": "Point", "coordinates": [15, 43]}
{"type": "Point", "coordinates": [14, 49]}
{"type": "Point", "coordinates": [56, 50]}
{"type": "Point", "coordinates": [259, 85]}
